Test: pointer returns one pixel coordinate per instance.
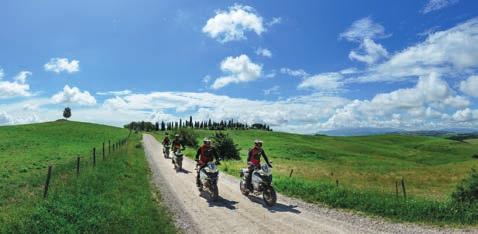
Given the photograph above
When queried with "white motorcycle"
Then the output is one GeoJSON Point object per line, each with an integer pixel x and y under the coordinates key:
{"type": "Point", "coordinates": [261, 182]}
{"type": "Point", "coordinates": [208, 177]}
{"type": "Point", "coordinates": [178, 160]}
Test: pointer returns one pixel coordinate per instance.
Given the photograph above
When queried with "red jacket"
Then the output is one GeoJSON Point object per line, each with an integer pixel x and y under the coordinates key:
{"type": "Point", "coordinates": [255, 156]}
{"type": "Point", "coordinates": [206, 154]}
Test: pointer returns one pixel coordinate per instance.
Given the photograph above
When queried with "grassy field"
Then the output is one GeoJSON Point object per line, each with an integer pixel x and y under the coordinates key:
{"type": "Point", "coordinates": [115, 196]}
{"type": "Point", "coordinates": [366, 168]}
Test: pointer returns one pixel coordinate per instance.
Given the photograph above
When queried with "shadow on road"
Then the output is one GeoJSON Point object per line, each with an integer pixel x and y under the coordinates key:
{"type": "Point", "coordinates": [182, 170]}
{"type": "Point", "coordinates": [220, 202]}
{"type": "Point", "coordinates": [278, 207]}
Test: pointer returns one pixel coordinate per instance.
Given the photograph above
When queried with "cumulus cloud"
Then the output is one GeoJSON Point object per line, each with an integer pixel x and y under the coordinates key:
{"type": "Point", "coordinates": [58, 65]}
{"type": "Point", "coordinates": [73, 95]}
{"type": "Point", "coordinates": [465, 115]}
{"type": "Point", "coordinates": [16, 88]}
{"type": "Point", "coordinates": [371, 52]}
{"type": "Point", "coordinates": [470, 86]}
{"type": "Point", "coordinates": [239, 70]}
{"type": "Point", "coordinates": [115, 93]}
{"type": "Point", "coordinates": [325, 82]}
{"type": "Point", "coordinates": [264, 52]}
{"type": "Point", "coordinates": [22, 76]}
{"type": "Point", "coordinates": [231, 25]}
{"type": "Point", "coordinates": [424, 105]}
{"type": "Point", "coordinates": [4, 118]}
{"type": "Point", "coordinates": [435, 5]}
{"type": "Point", "coordinates": [451, 51]}
{"type": "Point", "coordinates": [362, 29]}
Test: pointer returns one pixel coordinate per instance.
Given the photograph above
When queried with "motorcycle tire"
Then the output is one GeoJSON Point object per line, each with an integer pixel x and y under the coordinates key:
{"type": "Point", "coordinates": [269, 195]}
{"type": "Point", "coordinates": [214, 192]}
{"type": "Point", "coordinates": [242, 186]}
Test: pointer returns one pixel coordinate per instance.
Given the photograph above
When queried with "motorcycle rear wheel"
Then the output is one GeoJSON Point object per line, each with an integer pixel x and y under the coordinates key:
{"type": "Point", "coordinates": [269, 195]}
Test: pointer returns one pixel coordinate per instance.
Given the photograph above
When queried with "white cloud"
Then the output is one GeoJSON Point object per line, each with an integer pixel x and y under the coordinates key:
{"type": "Point", "coordinates": [434, 5]}
{"type": "Point", "coordinates": [424, 105]}
{"type": "Point", "coordinates": [465, 115]}
{"type": "Point", "coordinates": [232, 25]}
{"type": "Point", "coordinates": [275, 20]}
{"type": "Point", "coordinates": [372, 52]}
{"type": "Point", "coordinates": [325, 82]}
{"type": "Point", "coordinates": [16, 88]}
{"type": "Point", "coordinates": [264, 52]}
{"type": "Point", "coordinates": [22, 76]}
{"type": "Point", "coordinates": [362, 29]}
{"type": "Point", "coordinates": [274, 90]}
{"type": "Point", "coordinates": [73, 95]}
{"type": "Point", "coordinates": [239, 69]}
{"type": "Point", "coordinates": [292, 72]}
{"type": "Point", "coordinates": [4, 118]}
{"type": "Point", "coordinates": [448, 52]}
{"type": "Point", "coordinates": [115, 93]}
{"type": "Point", "coordinates": [58, 65]}
{"type": "Point", "coordinates": [470, 86]}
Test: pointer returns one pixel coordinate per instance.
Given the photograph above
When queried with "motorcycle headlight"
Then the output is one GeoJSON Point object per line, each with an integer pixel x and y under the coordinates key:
{"type": "Point", "coordinates": [266, 170]}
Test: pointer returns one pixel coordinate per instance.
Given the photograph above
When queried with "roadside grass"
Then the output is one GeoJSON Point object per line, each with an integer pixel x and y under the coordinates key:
{"type": "Point", "coordinates": [115, 196]}
{"type": "Point", "coordinates": [367, 169]}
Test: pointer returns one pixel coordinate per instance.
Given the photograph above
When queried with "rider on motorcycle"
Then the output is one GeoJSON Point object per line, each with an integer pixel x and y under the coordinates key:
{"type": "Point", "coordinates": [254, 161]}
{"type": "Point", "coordinates": [177, 144]}
{"type": "Point", "coordinates": [206, 153]}
{"type": "Point", "coordinates": [166, 140]}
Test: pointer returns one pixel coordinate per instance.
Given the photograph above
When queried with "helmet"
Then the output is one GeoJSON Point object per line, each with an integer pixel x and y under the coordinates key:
{"type": "Point", "coordinates": [258, 142]}
{"type": "Point", "coordinates": [206, 140]}
{"type": "Point", "coordinates": [177, 135]}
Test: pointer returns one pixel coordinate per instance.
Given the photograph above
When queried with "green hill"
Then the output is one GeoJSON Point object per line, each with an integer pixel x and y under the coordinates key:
{"type": "Point", "coordinates": [91, 202]}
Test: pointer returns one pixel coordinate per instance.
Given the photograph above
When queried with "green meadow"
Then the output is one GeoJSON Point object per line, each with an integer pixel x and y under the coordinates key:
{"type": "Point", "coordinates": [114, 196]}
{"type": "Point", "coordinates": [367, 169]}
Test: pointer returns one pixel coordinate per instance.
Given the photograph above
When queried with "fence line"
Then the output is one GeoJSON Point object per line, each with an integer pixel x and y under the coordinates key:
{"type": "Point", "coordinates": [119, 143]}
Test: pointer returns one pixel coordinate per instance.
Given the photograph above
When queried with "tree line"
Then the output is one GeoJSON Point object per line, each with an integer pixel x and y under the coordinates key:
{"type": "Point", "coordinates": [209, 124]}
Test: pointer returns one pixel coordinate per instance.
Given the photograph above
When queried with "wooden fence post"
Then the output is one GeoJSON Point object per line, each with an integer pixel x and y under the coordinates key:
{"type": "Point", "coordinates": [94, 156]}
{"type": "Point", "coordinates": [291, 171]}
{"type": "Point", "coordinates": [337, 182]}
{"type": "Point", "coordinates": [396, 189]}
{"type": "Point", "coordinates": [78, 166]}
{"type": "Point", "coordinates": [47, 182]}
{"type": "Point", "coordinates": [403, 189]}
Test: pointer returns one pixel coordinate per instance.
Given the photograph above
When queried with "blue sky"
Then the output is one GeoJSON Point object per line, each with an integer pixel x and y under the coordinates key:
{"type": "Point", "coordinates": [301, 66]}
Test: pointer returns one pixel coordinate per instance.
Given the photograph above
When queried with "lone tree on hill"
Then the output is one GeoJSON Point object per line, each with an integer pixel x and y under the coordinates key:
{"type": "Point", "coordinates": [67, 112]}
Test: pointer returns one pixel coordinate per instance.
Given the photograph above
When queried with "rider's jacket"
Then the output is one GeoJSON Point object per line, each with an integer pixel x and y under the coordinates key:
{"type": "Point", "coordinates": [255, 156]}
{"type": "Point", "coordinates": [177, 144]}
{"type": "Point", "coordinates": [206, 154]}
{"type": "Point", "coordinates": [166, 141]}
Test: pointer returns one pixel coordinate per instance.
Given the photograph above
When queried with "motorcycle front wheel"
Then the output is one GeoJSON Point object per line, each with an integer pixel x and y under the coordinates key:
{"type": "Point", "coordinates": [242, 186]}
{"type": "Point", "coordinates": [214, 192]}
{"type": "Point", "coordinates": [269, 195]}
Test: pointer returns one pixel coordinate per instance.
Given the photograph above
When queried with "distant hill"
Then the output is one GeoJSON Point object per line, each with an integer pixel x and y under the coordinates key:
{"type": "Point", "coordinates": [447, 132]}
{"type": "Point", "coordinates": [359, 131]}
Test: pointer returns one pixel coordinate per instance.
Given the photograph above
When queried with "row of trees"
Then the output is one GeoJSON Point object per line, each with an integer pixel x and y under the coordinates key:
{"type": "Point", "coordinates": [211, 125]}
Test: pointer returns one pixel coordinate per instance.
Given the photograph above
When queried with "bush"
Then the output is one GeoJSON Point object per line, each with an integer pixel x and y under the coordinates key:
{"type": "Point", "coordinates": [467, 190]}
{"type": "Point", "coordinates": [475, 156]}
{"type": "Point", "coordinates": [225, 146]}
{"type": "Point", "coordinates": [188, 137]}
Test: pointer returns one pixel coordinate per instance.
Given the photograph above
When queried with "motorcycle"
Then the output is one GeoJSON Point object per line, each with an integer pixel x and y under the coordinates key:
{"type": "Point", "coordinates": [166, 150]}
{"type": "Point", "coordinates": [178, 160]}
{"type": "Point", "coordinates": [261, 182]}
{"type": "Point", "coordinates": [208, 177]}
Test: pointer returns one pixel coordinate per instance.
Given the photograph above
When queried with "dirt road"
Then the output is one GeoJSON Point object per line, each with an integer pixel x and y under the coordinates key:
{"type": "Point", "coordinates": [235, 213]}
